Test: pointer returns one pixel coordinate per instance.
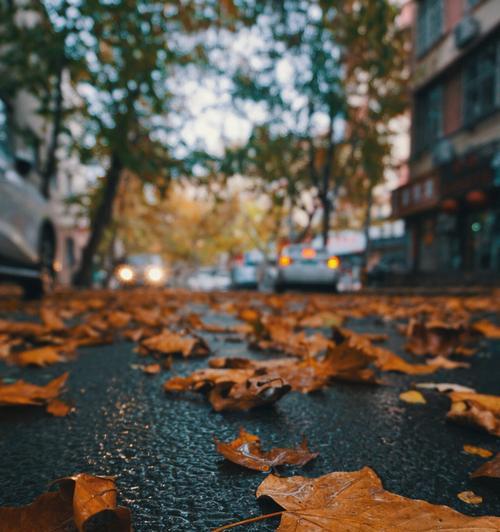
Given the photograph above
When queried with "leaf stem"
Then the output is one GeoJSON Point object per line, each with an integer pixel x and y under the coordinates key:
{"type": "Point", "coordinates": [247, 521]}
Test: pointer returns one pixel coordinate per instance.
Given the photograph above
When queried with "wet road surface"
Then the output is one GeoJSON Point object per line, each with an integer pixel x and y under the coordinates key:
{"type": "Point", "coordinates": [161, 450]}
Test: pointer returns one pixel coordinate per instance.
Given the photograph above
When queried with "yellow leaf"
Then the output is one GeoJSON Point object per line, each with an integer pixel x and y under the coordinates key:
{"type": "Point", "coordinates": [412, 396]}
{"type": "Point", "coordinates": [478, 451]}
{"type": "Point", "coordinates": [470, 497]}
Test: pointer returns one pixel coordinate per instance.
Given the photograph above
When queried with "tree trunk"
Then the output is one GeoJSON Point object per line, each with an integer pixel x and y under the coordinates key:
{"type": "Point", "coordinates": [101, 219]}
{"type": "Point", "coordinates": [327, 172]}
{"type": "Point", "coordinates": [50, 167]}
{"type": "Point", "coordinates": [366, 226]}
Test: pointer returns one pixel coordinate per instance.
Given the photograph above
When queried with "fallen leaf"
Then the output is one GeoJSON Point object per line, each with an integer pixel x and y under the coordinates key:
{"type": "Point", "coordinates": [446, 363]}
{"type": "Point", "coordinates": [50, 319]}
{"type": "Point", "coordinates": [479, 410]}
{"type": "Point", "coordinates": [478, 451]}
{"type": "Point", "coordinates": [245, 450]}
{"type": "Point", "coordinates": [25, 393]}
{"type": "Point", "coordinates": [357, 501]}
{"type": "Point", "coordinates": [235, 389]}
{"type": "Point", "coordinates": [151, 369]}
{"type": "Point", "coordinates": [83, 501]}
{"type": "Point", "coordinates": [383, 358]}
{"type": "Point", "coordinates": [435, 338]}
{"type": "Point", "coordinates": [444, 387]}
{"type": "Point", "coordinates": [487, 328]}
{"type": "Point", "coordinates": [489, 469]}
{"type": "Point", "coordinates": [470, 497]}
{"type": "Point", "coordinates": [59, 408]}
{"type": "Point", "coordinates": [42, 356]}
{"type": "Point", "coordinates": [412, 396]}
{"type": "Point", "coordinates": [168, 343]}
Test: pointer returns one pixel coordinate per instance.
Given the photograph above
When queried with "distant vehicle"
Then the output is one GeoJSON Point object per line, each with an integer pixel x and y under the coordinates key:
{"type": "Point", "coordinates": [27, 233]}
{"type": "Point", "coordinates": [144, 269]}
{"type": "Point", "coordinates": [206, 279]}
{"type": "Point", "coordinates": [300, 265]}
{"type": "Point", "coordinates": [245, 269]}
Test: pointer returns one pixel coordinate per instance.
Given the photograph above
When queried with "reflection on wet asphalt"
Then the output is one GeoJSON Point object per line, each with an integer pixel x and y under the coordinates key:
{"type": "Point", "coordinates": [161, 447]}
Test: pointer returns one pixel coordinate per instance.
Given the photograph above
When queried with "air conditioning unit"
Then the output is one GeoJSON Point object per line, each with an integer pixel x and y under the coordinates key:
{"type": "Point", "coordinates": [466, 31]}
{"type": "Point", "coordinates": [443, 153]}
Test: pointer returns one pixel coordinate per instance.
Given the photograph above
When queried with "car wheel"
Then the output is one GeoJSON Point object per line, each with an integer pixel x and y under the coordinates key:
{"type": "Point", "coordinates": [35, 288]}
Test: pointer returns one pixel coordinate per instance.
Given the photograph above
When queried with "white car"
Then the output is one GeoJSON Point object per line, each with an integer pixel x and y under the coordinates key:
{"type": "Point", "coordinates": [142, 269]}
{"type": "Point", "coordinates": [208, 279]}
{"type": "Point", "coordinates": [300, 265]}
{"type": "Point", "coordinates": [27, 233]}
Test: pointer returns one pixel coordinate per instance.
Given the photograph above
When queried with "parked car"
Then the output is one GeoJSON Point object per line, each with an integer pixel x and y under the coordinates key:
{"type": "Point", "coordinates": [27, 233]}
{"type": "Point", "coordinates": [245, 269]}
{"type": "Point", "coordinates": [302, 266]}
{"type": "Point", "coordinates": [143, 269]}
{"type": "Point", "coordinates": [207, 279]}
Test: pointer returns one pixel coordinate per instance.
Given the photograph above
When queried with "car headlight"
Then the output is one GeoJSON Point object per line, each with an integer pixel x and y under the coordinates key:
{"type": "Point", "coordinates": [155, 274]}
{"type": "Point", "coordinates": [125, 274]}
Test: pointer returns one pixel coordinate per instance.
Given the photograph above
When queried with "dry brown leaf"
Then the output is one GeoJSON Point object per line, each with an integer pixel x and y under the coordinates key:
{"type": "Point", "coordinates": [489, 469]}
{"type": "Point", "coordinates": [478, 451]}
{"type": "Point", "coordinates": [412, 396]}
{"type": "Point", "coordinates": [446, 363]}
{"type": "Point", "coordinates": [480, 410]}
{"type": "Point", "coordinates": [383, 359]}
{"type": "Point", "coordinates": [59, 408]}
{"type": "Point", "coordinates": [245, 450]}
{"type": "Point", "coordinates": [357, 501]}
{"type": "Point", "coordinates": [169, 343]}
{"type": "Point", "coordinates": [41, 356]}
{"type": "Point", "coordinates": [151, 369]}
{"type": "Point", "coordinates": [231, 389]}
{"type": "Point", "coordinates": [470, 497]}
{"type": "Point", "coordinates": [436, 338]}
{"type": "Point", "coordinates": [487, 328]}
{"type": "Point", "coordinates": [83, 501]}
{"type": "Point", "coordinates": [50, 319]}
{"type": "Point", "coordinates": [25, 393]}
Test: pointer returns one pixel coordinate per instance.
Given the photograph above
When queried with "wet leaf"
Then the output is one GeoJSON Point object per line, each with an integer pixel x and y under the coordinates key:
{"type": "Point", "coordinates": [444, 387]}
{"type": "Point", "coordinates": [24, 393]}
{"type": "Point", "coordinates": [446, 363]}
{"type": "Point", "coordinates": [357, 501]}
{"type": "Point", "coordinates": [470, 497]}
{"type": "Point", "coordinates": [42, 356]}
{"type": "Point", "coordinates": [489, 469]}
{"type": "Point", "coordinates": [436, 338]}
{"type": "Point", "coordinates": [83, 501]}
{"type": "Point", "coordinates": [487, 328]}
{"type": "Point", "coordinates": [50, 319]}
{"type": "Point", "coordinates": [478, 451]}
{"type": "Point", "coordinates": [59, 408]}
{"type": "Point", "coordinates": [235, 389]}
{"type": "Point", "coordinates": [169, 343]}
{"type": "Point", "coordinates": [479, 410]}
{"type": "Point", "coordinates": [412, 396]}
{"type": "Point", "coordinates": [246, 451]}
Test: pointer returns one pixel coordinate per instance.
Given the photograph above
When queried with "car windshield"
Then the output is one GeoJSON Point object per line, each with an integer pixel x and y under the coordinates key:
{"type": "Point", "coordinates": [252, 258]}
{"type": "Point", "coordinates": [145, 259]}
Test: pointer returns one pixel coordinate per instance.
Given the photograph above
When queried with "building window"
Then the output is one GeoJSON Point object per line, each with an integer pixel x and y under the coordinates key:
{"type": "Point", "coordinates": [428, 117]}
{"type": "Point", "coordinates": [429, 24]}
{"type": "Point", "coordinates": [482, 83]}
{"type": "Point", "coordinates": [406, 197]}
{"type": "Point", "coordinates": [4, 132]}
{"type": "Point", "coordinates": [429, 189]}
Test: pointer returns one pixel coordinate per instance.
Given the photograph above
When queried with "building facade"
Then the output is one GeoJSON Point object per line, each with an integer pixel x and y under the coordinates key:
{"type": "Point", "coordinates": [451, 203]}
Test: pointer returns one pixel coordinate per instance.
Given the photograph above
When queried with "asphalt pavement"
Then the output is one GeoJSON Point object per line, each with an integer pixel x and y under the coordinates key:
{"type": "Point", "coordinates": [160, 447]}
